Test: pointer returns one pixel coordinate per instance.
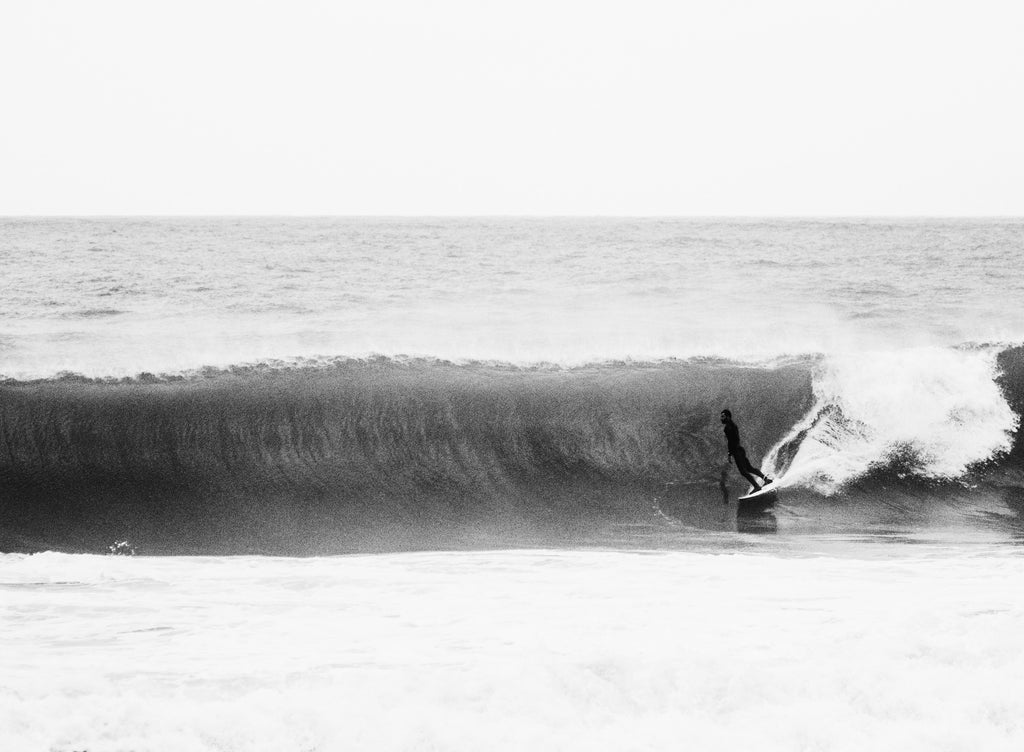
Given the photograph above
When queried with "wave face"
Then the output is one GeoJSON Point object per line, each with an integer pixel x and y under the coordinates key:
{"type": "Point", "coordinates": [327, 458]}
{"type": "Point", "coordinates": [385, 453]}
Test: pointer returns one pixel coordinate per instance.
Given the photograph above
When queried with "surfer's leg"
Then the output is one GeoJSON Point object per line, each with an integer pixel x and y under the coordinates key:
{"type": "Point", "coordinates": [750, 480]}
{"type": "Point", "coordinates": [743, 465]}
{"type": "Point", "coordinates": [754, 470]}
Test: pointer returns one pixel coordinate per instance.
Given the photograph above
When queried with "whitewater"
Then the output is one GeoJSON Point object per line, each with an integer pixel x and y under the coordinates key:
{"type": "Point", "coordinates": [542, 649]}
{"type": "Point", "coordinates": [414, 483]}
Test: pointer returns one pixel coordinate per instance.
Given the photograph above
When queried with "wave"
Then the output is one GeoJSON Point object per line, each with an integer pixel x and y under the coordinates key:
{"type": "Point", "coordinates": [382, 452]}
{"type": "Point", "coordinates": [92, 313]}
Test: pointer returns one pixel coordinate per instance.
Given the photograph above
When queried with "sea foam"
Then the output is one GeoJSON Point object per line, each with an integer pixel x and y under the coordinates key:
{"type": "Point", "coordinates": [559, 650]}
{"type": "Point", "coordinates": [935, 411]}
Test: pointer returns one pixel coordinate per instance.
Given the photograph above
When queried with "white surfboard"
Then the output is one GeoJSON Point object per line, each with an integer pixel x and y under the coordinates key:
{"type": "Point", "coordinates": [766, 490]}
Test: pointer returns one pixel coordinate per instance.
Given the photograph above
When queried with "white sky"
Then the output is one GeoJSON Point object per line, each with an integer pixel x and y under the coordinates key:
{"type": "Point", "coordinates": [520, 107]}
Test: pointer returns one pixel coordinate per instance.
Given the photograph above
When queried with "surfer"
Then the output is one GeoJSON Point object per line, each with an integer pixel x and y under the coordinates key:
{"type": "Point", "coordinates": [739, 454]}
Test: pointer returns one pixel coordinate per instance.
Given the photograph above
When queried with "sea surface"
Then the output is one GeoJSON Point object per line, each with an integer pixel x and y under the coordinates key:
{"type": "Point", "coordinates": [413, 483]}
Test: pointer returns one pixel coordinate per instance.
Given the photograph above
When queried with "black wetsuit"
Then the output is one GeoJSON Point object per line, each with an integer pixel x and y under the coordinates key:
{"type": "Point", "coordinates": [739, 454]}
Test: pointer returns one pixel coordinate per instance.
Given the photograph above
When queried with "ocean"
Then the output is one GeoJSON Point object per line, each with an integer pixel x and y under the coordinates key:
{"type": "Point", "coordinates": [460, 484]}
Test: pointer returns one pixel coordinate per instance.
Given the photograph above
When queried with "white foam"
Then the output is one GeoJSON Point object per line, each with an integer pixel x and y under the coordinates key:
{"type": "Point", "coordinates": [553, 650]}
{"type": "Point", "coordinates": [940, 408]}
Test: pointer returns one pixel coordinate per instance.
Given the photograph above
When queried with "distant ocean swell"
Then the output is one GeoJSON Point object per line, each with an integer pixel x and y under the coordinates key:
{"type": "Point", "coordinates": [339, 456]}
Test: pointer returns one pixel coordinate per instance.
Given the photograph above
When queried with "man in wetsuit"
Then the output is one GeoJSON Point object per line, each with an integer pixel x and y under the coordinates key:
{"type": "Point", "coordinates": [739, 454]}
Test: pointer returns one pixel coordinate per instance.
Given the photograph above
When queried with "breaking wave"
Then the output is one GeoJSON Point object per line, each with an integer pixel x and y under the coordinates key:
{"type": "Point", "coordinates": [934, 412]}
{"type": "Point", "coordinates": [363, 453]}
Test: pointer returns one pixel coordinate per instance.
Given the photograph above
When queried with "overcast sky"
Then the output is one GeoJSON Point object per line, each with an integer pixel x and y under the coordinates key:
{"type": "Point", "coordinates": [520, 107]}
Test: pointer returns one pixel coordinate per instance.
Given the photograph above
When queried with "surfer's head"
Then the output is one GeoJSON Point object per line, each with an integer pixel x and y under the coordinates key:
{"type": "Point", "coordinates": [726, 415]}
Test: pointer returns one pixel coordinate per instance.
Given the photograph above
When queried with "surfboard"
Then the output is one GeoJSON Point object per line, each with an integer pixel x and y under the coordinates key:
{"type": "Point", "coordinates": [767, 490]}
